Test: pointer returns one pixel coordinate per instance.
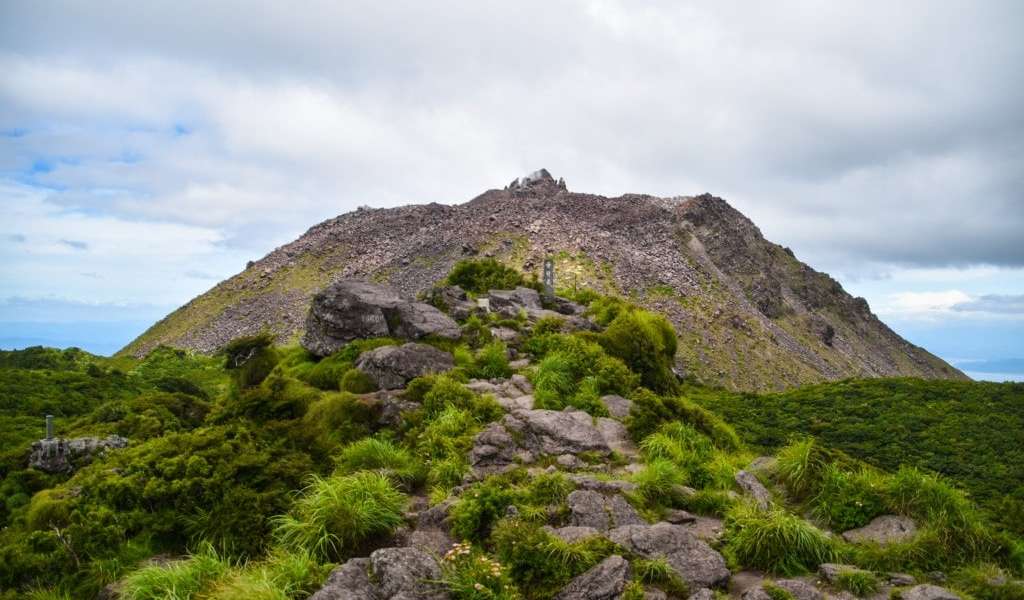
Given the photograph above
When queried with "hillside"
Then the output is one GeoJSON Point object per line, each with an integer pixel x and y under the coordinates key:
{"type": "Point", "coordinates": [543, 449]}
{"type": "Point", "coordinates": [749, 315]}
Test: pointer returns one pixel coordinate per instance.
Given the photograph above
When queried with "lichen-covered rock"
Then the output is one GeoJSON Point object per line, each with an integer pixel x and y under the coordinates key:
{"type": "Point", "coordinates": [391, 367]}
{"type": "Point", "coordinates": [510, 302]}
{"type": "Point", "coordinates": [572, 533]}
{"type": "Point", "coordinates": [350, 581]}
{"type": "Point", "coordinates": [885, 529]}
{"type": "Point", "coordinates": [353, 309]}
{"type": "Point", "coordinates": [454, 300]}
{"type": "Point", "coordinates": [603, 581]}
{"type": "Point", "coordinates": [592, 509]}
{"type": "Point", "coordinates": [928, 592]}
{"type": "Point", "coordinates": [752, 486]}
{"type": "Point", "coordinates": [523, 436]}
{"type": "Point", "coordinates": [59, 455]}
{"type": "Point", "coordinates": [406, 573]}
{"type": "Point", "coordinates": [618, 407]}
{"type": "Point", "coordinates": [692, 559]}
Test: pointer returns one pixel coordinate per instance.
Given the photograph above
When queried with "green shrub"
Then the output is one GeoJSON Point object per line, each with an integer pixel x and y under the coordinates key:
{"type": "Point", "coordinates": [650, 411]}
{"type": "Point", "coordinates": [708, 502]}
{"type": "Point", "coordinates": [445, 392]}
{"type": "Point", "coordinates": [277, 397]}
{"type": "Point", "coordinates": [334, 515]}
{"type": "Point", "coordinates": [469, 574]}
{"type": "Point", "coordinates": [605, 309]}
{"type": "Point", "coordinates": [800, 466]}
{"type": "Point", "coordinates": [858, 582]}
{"type": "Point", "coordinates": [357, 382]}
{"type": "Point", "coordinates": [546, 325]}
{"type": "Point", "coordinates": [250, 359]}
{"type": "Point", "coordinates": [848, 500]}
{"type": "Point", "coordinates": [540, 563]}
{"type": "Point", "coordinates": [49, 508]}
{"type": "Point", "coordinates": [476, 332]}
{"type": "Point", "coordinates": [339, 418]}
{"type": "Point", "coordinates": [282, 576]}
{"type": "Point", "coordinates": [177, 579]}
{"type": "Point", "coordinates": [988, 582]}
{"type": "Point", "coordinates": [491, 362]}
{"type": "Point", "coordinates": [381, 455]}
{"type": "Point", "coordinates": [657, 571]}
{"type": "Point", "coordinates": [646, 342]}
{"type": "Point", "coordinates": [775, 541]}
{"type": "Point", "coordinates": [481, 275]}
{"type": "Point", "coordinates": [775, 592]}
{"type": "Point", "coordinates": [576, 372]}
{"type": "Point", "coordinates": [479, 508]}
{"type": "Point", "coordinates": [327, 373]}
{"type": "Point", "coordinates": [655, 483]}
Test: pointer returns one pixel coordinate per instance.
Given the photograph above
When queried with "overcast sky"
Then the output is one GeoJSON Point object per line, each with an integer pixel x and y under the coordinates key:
{"type": "Point", "coordinates": [149, 149]}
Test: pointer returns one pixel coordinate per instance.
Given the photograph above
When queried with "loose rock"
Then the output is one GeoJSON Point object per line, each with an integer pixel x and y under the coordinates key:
{"type": "Point", "coordinates": [692, 559]}
{"type": "Point", "coordinates": [751, 485]}
{"type": "Point", "coordinates": [392, 367]}
{"type": "Point", "coordinates": [883, 530]}
{"type": "Point", "coordinates": [604, 581]}
{"type": "Point", "coordinates": [928, 592]}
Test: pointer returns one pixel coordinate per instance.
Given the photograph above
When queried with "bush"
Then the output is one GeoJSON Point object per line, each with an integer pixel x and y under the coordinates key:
{"type": "Point", "coordinates": [282, 576]}
{"type": "Point", "coordinates": [469, 574]}
{"type": "Point", "coordinates": [491, 362]}
{"type": "Point", "coordinates": [988, 582]}
{"type": "Point", "coordinates": [646, 342]}
{"type": "Point", "coordinates": [334, 515]}
{"type": "Point", "coordinates": [655, 483]}
{"type": "Point", "coordinates": [480, 276]}
{"type": "Point", "coordinates": [776, 541]}
{"type": "Point", "coordinates": [847, 500]}
{"type": "Point", "coordinates": [357, 382]}
{"type": "Point", "coordinates": [801, 465]}
{"type": "Point", "coordinates": [657, 571]}
{"type": "Point", "coordinates": [445, 392]}
{"type": "Point", "coordinates": [176, 579]}
{"type": "Point", "coordinates": [250, 359]}
{"type": "Point", "coordinates": [277, 397]}
{"type": "Point", "coordinates": [858, 582]}
{"type": "Point", "coordinates": [339, 418]}
{"type": "Point", "coordinates": [382, 456]}
{"type": "Point", "coordinates": [650, 411]}
{"type": "Point", "coordinates": [576, 372]}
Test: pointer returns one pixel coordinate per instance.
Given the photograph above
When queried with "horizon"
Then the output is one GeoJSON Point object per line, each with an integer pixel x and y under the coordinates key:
{"type": "Point", "coordinates": [144, 158]}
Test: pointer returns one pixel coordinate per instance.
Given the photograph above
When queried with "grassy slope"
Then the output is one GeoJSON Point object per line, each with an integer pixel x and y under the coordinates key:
{"type": "Point", "coordinates": [969, 431]}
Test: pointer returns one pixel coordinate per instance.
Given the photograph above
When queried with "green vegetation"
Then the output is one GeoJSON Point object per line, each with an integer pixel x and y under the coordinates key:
{"type": "Point", "coordinates": [250, 474]}
{"type": "Point", "coordinates": [479, 276]}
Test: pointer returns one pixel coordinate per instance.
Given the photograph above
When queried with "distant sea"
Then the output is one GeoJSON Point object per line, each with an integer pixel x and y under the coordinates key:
{"type": "Point", "coordinates": [98, 337]}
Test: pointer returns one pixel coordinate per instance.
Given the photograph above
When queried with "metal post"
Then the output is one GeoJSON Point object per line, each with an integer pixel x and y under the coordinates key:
{"type": "Point", "coordinates": [549, 277]}
{"type": "Point", "coordinates": [49, 427]}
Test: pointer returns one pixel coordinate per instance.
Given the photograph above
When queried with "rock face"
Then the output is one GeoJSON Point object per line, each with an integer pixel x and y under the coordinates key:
{"type": "Point", "coordinates": [63, 456]}
{"type": "Point", "coordinates": [353, 309]}
{"type": "Point", "coordinates": [741, 291]}
{"type": "Point", "coordinates": [394, 366]}
{"type": "Point", "coordinates": [523, 436]}
{"type": "Point", "coordinates": [592, 509]}
{"type": "Point", "coordinates": [753, 486]}
{"type": "Point", "coordinates": [928, 592]}
{"type": "Point", "coordinates": [883, 530]}
{"type": "Point", "coordinates": [604, 581]}
{"type": "Point", "coordinates": [692, 559]}
{"type": "Point", "coordinates": [388, 574]}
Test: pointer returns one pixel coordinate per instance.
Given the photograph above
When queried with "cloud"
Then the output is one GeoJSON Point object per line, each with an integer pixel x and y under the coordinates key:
{"type": "Point", "coordinates": [993, 303]}
{"type": "Point", "coordinates": [214, 140]}
{"type": "Point", "coordinates": [75, 244]}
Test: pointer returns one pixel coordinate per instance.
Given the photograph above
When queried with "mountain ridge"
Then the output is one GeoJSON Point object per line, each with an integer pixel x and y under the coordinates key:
{"type": "Point", "coordinates": [750, 316]}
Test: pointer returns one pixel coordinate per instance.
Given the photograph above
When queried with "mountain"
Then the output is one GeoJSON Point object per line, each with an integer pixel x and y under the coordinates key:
{"type": "Point", "coordinates": [749, 315]}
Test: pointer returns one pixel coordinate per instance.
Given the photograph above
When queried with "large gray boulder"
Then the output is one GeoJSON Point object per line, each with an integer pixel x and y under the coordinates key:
{"type": "Point", "coordinates": [351, 309]}
{"type": "Point", "coordinates": [59, 455]}
{"type": "Point", "coordinates": [523, 436]}
{"type": "Point", "coordinates": [618, 407]}
{"type": "Point", "coordinates": [394, 366]}
{"type": "Point", "coordinates": [692, 559]}
{"type": "Point", "coordinates": [885, 529]}
{"type": "Point", "coordinates": [510, 302]}
{"type": "Point", "coordinates": [592, 509]}
{"type": "Point", "coordinates": [928, 592]}
{"type": "Point", "coordinates": [753, 486]}
{"type": "Point", "coordinates": [604, 581]}
{"type": "Point", "coordinates": [388, 574]}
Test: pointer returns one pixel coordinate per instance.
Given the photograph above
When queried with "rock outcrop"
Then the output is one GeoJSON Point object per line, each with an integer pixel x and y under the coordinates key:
{"type": "Point", "coordinates": [392, 367]}
{"type": "Point", "coordinates": [354, 309]}
{"type": "Point", "coordinates": [388, 574]}
{"type": "Point", "coordinates": [754, 488]}
{"type": "Point", "coordinates": [61, 455]}
{"type": "Point", "coordinates": [601, 512]}
{"type": "Point", "coordinates": [885, 529]}
{"type": "Point", "coordinates": [604, 581]}
{"type": "Point", "coordinates": [692, 559]}
{"type": "Point", "coordinates": [928, 592]}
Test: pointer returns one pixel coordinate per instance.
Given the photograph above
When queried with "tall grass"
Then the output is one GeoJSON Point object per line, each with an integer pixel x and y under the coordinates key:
{"type": "Point", "coordinates": [336, 514]}
{"type": "Point", "coordinates": [282, 576]}
{"type": "Point", "coordinates": [382, 456]}
{"type": "Point", "coordinates": [800, 466]}
{"type": "Point", "coordinates": [776, 541]}
{"type": "Point", "coordinates": [177, 580]}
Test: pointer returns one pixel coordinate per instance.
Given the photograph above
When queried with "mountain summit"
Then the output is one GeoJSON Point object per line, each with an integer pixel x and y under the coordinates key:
{"type": "Point", "coordinates": [749, 315]}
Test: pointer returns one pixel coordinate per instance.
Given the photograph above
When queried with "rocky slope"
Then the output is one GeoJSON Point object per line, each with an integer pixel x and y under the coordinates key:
{"type": "Point", "coordinates": [750, 316]}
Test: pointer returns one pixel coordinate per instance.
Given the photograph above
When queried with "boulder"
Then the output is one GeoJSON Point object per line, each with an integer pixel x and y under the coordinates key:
{"type": "Point", "coordinates": [604, 581]}
{"type": "Point", "coordinates": [753, 486]}
{"type": "Point", "coordinates": [618, 438]}
{"type": "Point", "coordinates": [523, 436]}
{"type": "Point", "coordinates": [692, 559]}
{"type": "Point", "coordinates": [800, 590]}
{"type": "Point", "coordinates": [59, 455]}
{"type": "Point", "coordinates": [592, 509]}
{"type": "Point", "coordinates": [885, 529]}
{"type": "Point", "coordinates": [406, 573]}
{"type": "Point", "coordinates": [510, 302]}
{"type": "Point", "coordinates": [928, 592]}
{"type": "Point", "coordinates": [350, 581]}
{"type": "Point", "coordinates": [572, 533]}
{"type": "Point", "coordinates": [565, 306]}
{"type": "Point", "coordinates": [618, 407]}
{"type": "Point", "coordinates": [605, 486]}
{"type": "Point", "coordinates": [702, 594]}
{"type": "Point", "coordinates": [901, 579]}
{"type": "Point", "coordinates": [453, 300]}
{"type": "Point", "coordinates": [830, 571]}
{"type": "Point", "coordinates": [352, 309]}
{"type": "Point", "coordinates": [392, 367]}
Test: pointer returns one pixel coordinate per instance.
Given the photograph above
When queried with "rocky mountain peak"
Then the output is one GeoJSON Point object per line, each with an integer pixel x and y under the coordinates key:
{"type": "Point", "coordinates": [538, 182]}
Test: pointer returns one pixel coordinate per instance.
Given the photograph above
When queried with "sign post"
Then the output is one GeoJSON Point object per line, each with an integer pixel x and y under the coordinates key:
{"type": "Point", "coordinates": [49, 427]}
{"type": "Point", "coordinates": [549, 277]}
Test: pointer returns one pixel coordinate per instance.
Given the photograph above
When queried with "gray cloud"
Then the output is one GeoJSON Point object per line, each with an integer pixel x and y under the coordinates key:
{"type": "Point", "coordinates": [994, 303]}
{"type": "Point", "coordinates": [863, 135]}
{"type": "Point", "coordinates": [76, 244]}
